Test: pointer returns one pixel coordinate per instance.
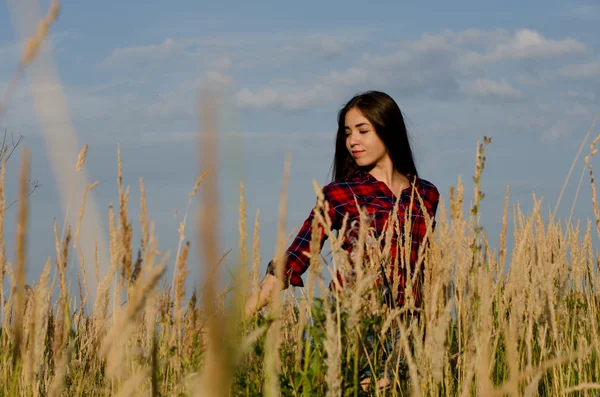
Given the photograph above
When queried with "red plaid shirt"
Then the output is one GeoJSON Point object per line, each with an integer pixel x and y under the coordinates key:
{"type": "Point", "coordinates": [379, 202]}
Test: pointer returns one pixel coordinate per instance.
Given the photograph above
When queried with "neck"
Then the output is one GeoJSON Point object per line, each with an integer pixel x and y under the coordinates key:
{"type": "Point", "coordinates": [386, 173]}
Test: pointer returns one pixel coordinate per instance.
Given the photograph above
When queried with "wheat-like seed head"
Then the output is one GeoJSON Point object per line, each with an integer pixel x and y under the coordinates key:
{"type": "Point", "coordinates": [33, 45]}
{"type": "Point", "coordinates": [81, 158]}
{"type": "Point", "coordinates": [197, 184]}
{"type": "Point", "coordinates": [255, 251]}
{"type": "Point", "coordinates": [81, 212]}
{"type": "Point", "coordinates": [21, 250]}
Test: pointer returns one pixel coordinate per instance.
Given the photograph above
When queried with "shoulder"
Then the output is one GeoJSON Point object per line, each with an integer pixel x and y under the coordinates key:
{"type": "Point", "coordinates": [426, 186]}
{"type": "Point", "coordinates": [428, 191]}
{"type": "Point", "coordinates": [344, 191]}
{"type": "Point", "coordinates": [346, 187]}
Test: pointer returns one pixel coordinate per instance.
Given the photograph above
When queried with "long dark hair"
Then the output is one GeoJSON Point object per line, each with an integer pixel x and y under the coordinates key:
{"type": "Point", "coordinates": [386, 118]}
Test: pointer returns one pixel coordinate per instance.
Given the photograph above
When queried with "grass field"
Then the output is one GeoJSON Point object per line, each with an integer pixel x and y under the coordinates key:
{"type": "Point", "coordinates": [533, 330]}
{"type": "Point", "coordinates": [496, 320]}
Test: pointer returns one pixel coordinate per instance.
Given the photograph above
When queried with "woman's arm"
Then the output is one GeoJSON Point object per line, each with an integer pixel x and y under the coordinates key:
{"type": "Point", "coordinates": [295, 264]}
{"type": "Point", "coordinates": [259, 299]}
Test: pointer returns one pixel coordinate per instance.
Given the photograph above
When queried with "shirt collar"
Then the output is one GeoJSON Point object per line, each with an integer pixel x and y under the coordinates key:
{"type": "Point", "coordinates": [364, 174]}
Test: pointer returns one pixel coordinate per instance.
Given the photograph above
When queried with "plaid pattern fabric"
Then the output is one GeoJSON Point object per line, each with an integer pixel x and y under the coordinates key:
{"type": "Point", "coordinates": [379, 201]}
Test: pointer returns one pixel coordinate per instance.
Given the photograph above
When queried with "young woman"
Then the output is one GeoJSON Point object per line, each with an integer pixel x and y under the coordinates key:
{"type": "Point", "coordinates": [373, 167]}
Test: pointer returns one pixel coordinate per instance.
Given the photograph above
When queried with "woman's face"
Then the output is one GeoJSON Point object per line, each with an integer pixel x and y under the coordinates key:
{"type": "Point", "coordinates": [363, 143]}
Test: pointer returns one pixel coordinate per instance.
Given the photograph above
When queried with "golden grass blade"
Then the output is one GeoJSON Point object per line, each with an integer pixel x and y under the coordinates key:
{"type": "Point", "coordinates": [272, 365]}
{"type": "Point", "coordinates": [2, 245]}
{"type": "Point", "coordinates": [62, 144]}
{"type": "Point", "coordinates": [58, 381]}
{"type": "Point", "coordinates": [215, 377]}
{"type": "Point", "coordinates": [564, 187]}
{"type": "Point", "coordinates": [582, 387]}
{"type": "Point", "coordinates": [21, 254]}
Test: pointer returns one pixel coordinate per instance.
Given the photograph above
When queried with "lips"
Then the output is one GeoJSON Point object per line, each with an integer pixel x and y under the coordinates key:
{"type": "Point", "coordinates": [356, 153]}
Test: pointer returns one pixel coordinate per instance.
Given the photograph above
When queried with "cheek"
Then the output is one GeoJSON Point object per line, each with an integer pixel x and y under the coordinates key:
{"type": "Point", "coordinates": [379, 144]}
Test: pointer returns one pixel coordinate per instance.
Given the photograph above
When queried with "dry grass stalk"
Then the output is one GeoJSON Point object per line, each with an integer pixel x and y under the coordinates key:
{"type": "Point", "coordinates": [180, 246]}
{"type": "Point", "coordinates": [179, 305]}
{"type": "Point", "coordinates": [81, 212]}
{"type": "Point", "coordinates": [58, 382]}
{"type": "Point", "coordinates": [81, 158]}
{"type": "Point", "coordinates": [21, 253]}
{"type": "Point", "coordinates": [85, 284]}
{"type": "Point", "coordinates": [133, 383]}
{"type": "Point", "coordinates": [125, 322]}
{"type": "Point", "coordinates": [243, 288]}
{"type": "Point", "coordinates": [593, 185]}
{"type": "Point", "coordinates": [564, 187]}
{"type": "Point", "coordinates": [143, 216]}
{"type": "Point", "coordinates": [2, 245]}
{"type": "Point", "coordinates": [101, 303]}
{"type": "Point", "coordinates": [542, 302]}
{"type": "Point", "coordinates": [216, 374]}
{"type": "Point", "coordinates": [42, 299]}
{"type": "Point", "coordinates": [124, 229]}
{"type": "Point", "coordinates": [33, 45]}
{"type": "Point", "coordinates": [31, 50]}
{"type": "Point", "coordinates": [62, 315]}
{"type": "Point", "coordinates": [30, 325]}
{"type": "Point", "coordinates": [256, 252]}
{"type": "Point", "coordinates": [582, 387]}
{"type": "Point", "coordinates": [334, 350]}
{"type": "Point", "coordinates": [272, 358]}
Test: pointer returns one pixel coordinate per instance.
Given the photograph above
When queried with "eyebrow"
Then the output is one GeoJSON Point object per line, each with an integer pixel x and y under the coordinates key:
{"type": "Point", "coordinates": [357, 125]}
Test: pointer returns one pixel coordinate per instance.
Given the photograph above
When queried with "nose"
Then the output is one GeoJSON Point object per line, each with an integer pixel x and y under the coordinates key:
{"type": "Point", "coordinates": [354, 138]}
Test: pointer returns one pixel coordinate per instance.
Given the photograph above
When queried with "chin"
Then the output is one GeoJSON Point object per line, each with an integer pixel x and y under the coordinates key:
{"type": "Point", "coordinates": [363, 164]}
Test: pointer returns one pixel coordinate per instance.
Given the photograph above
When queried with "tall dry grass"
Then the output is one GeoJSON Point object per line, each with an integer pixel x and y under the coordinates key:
{"type": "Point", "coordinates": [530, 330]}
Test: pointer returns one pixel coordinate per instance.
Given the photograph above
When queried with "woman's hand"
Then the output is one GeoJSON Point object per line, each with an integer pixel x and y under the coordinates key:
{"type": "Point", "coordinates": [259, 299]}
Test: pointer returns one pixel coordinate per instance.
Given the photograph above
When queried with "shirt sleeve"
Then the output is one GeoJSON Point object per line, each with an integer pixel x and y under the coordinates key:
{"type": "Point", "coordinates": [297, 261]}
{"type": "Point", "coordinates": [431, 198]}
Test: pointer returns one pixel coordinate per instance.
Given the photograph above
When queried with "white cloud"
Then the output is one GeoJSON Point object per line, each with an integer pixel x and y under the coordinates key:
{"type": "Point", "coordinates": [216, 80]}
{"type": "Point", "coordinates": [265, 98]}
{"type": "Point", "coordinates": [529, 44]}
{"type": "Point", "coordinates": [430, 66]}
{"type": "Point", "coordinates": [123, 57]}
{"type": "Point", "coordinates": [222, 63]}
{"type": "Point", "coordinates": [176, 103]}
{"type": "Point", "coordinates": [167, 137]}
{"type": "Point", "coordinates": [590, 70]}
{"type": "Point", "coordinates": [330, 46]}
{"type": "Point", "coordinates": [523, 45]}
{"type": "Point", "coordinates": [476, 36]}
{"type": "Point", "coordinates": [475, 47]}
{"type": "Point", "coordinates": [399, 57]}
{"type": "Point", "coordinates": [348, 77]}
{"type": "Point", "coordinates": [256, 50]}
{"type": "Point", "coordinates": [316, 46]}
{"type": "Point", "coordinates": [531, 81]}
{"type": "Point", "coordinates": [446, 67]}
{"type": "Point", "coordinates": [271, 137]}
{"type": "Point", "coordinates": [490, 88]}
{"type": "Point", "coordinates": [271, 98]}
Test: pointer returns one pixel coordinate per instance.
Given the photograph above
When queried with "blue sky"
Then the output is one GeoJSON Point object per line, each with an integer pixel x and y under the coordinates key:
{"type": "Point", "coordinates": [526, 74]}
